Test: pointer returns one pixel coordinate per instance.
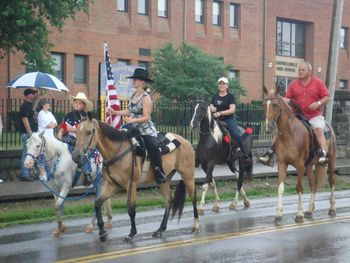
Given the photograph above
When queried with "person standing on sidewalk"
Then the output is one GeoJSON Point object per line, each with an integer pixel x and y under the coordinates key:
{"type": "Point", "coordinates": [28, 125]}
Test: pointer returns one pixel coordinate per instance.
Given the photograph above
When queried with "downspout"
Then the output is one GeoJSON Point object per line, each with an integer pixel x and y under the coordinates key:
{"type": "Point", "coordinates": [264, 47]}
{"type": "Point", "coordinates": [184, 22]}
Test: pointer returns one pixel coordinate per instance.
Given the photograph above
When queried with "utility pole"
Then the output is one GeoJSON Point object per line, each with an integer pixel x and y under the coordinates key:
{"type": "Point", "coordinates": [334, 54]}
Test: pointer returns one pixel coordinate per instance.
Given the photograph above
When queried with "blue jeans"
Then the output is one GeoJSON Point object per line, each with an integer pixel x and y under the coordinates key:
{"type": "Point", "coordinates": [24, 171]}
{"type": "Point", "coordinates": [234, 131]}
{"type": "Point", "coordinates": [86, 162]}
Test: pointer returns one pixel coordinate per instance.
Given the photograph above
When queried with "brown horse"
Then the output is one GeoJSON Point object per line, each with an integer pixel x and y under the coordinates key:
{"type": "Point", "coordinates": [123, 170]}
{"type": "Point", "coordinates": [292, 146]}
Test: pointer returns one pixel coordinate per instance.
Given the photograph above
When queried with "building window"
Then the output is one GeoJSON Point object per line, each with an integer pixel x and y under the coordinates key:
{"type": "Point", "coordinates": [163, 8]}
{"type": "Point", "coordinates": [144, 64]}
{"type": "Point", "coordinates": [58, 67]}
{"type": "Point", "coordinates": [80, 66]}
{"type": "Point", "coordinates": [142, 7]}
{"type": "Point", "coordinates": [199, 9]}
{"type": "Point", "coordinates": [343, 84]}
{"type": "Point", "coordinates": [122, 5]}
{"type": "Point", "coordinates": [234, 15]}
{"type": "Point", "coordinates": [123, 62]}
{"type": "Point", "coordinates": [233, 74]}
{"type": "Point", "coordinates": [217, 13]}
{"type": "Point", "coordinates": [144, 52]}
{"type": "Point", "coordinates": [283, 83]}
{"type": "Point", "coordinates": [290, 39]}
{"type": "Point", "coordinates": [343, 37]}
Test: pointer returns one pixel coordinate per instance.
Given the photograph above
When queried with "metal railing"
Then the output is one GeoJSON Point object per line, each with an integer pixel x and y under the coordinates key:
{"type": "Point", "coordinates": [168, 117]}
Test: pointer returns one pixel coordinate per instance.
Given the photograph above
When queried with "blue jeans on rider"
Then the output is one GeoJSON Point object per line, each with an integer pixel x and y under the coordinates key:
{"type": "Point", "coordinates": [232, 127]}
{"type": "Point", "coordinates": [86, 162]}
{"type": "Point", "coordinates": [24, 171]}
{"type": "Point", "coordinates": [41, 161]}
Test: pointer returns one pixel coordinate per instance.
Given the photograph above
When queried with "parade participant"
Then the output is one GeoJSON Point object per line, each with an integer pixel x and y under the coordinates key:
{"type": "Point", "coordinates": [46, 121]}
{"type": "Point", "coordinates": [223, 105]}
{"type": "Point", "coordinates": [310, 93]}
{"type": "Point", "coordinates": [28, 125]}
{"type": "Point", "coordinates": [139, 116]}
{"type": "Point", "coordinates": [66, 133]}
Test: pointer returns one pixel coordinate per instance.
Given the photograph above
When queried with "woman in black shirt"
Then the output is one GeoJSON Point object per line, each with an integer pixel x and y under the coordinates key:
{"type": "Point", "coordinates": [223, 105]}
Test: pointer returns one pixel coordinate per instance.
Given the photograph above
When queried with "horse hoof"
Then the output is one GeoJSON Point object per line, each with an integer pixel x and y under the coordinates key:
{"type": "Point", "coordinates": [308, 214]}
{"type": "Point", "coordinates": [196, 230]}
{"type": "Point", "coordinates": [157, 234]}
{"type": "Point", "coordinates": [332, 212]}
{"type": "Point", "coordinates": [128, 239]}
{"type": "Point", "coordinates": [215, 209]}
{"type": "Point", "coordinates": [56, 233]}
{"type": "Point", "coordinates": [299, 219]}
{"type": "Point", "coordinates": [246, 204]}
{"type": "Point", "coordinates": [278, 219]}
{"type": "Point", "coordinates": [108, 225]}
{"type": "Point", "coordinates": [104, 236]}
{"type": "Point", "coordinates": [232, 206]}
{"type": "Point", "coordinates": [200, 211]}
{"type": "Point", "coordinates": [89, 229]}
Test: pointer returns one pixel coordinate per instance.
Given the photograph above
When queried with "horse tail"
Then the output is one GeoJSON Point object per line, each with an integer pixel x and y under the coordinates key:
{"type": "Point", "coordinates": [179, 199]}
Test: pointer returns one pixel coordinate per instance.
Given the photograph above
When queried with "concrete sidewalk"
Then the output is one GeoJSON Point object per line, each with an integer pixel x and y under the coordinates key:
{"type": "Point", "coordinates": [18, 190]}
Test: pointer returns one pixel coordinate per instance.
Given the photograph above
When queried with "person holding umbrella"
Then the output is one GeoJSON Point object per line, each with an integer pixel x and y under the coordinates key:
{"type": "Point", "coordinates": [28, 125]}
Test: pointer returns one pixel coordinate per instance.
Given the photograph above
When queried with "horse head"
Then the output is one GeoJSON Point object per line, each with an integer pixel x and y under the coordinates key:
{"type": "Point", "coordinates": [86, 139]}
{"type": "Point", "coordinates": [199, 112]}
{"type": "Point", "coordinates": [271, 107]}
{"type": "Point", "coordinates": [35, 146]}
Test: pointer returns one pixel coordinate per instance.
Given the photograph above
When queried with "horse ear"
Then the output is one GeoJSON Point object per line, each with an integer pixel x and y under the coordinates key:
{"type": "Point", "coordinates": [89, 114]}
{"type": "Point", "coordinates": [278, 88]}
{"type": "Point", "coordinates": [41, 135]}
{"type": "Point", "coordinates": [265, 90]}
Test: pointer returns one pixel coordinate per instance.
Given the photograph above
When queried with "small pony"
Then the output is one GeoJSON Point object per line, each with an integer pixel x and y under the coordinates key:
{"type": "Point", "coordinates": [293, 147]}
{"type": "Point", "coordinates": [212, 149]}
{"type": "Point", "coordinates": [62, 169]}
{"type": "Point", "coordinates": [123, 170]}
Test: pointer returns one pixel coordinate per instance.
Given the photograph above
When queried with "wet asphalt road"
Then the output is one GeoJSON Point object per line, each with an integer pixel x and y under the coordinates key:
{"type": "Point", "coordinates": [230, 236]}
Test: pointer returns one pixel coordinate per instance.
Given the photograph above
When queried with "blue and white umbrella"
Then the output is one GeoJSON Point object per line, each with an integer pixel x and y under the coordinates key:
{"type": "Point", "coordinates": [37, 80]}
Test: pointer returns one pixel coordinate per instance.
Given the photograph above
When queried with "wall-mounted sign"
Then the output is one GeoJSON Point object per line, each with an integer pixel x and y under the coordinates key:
{"type": "Point", "coordinates": [287, 66]}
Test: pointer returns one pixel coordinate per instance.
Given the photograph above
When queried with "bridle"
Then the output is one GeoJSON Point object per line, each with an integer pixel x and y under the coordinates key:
{"type": "Point", "coordinates": [41, 151]}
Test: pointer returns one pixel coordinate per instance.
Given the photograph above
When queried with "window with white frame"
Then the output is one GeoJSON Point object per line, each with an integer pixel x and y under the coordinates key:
{"type": "Point", "coordinates": [122, 5]}
{"type": "Point", "coordinates": [163, 8]}
{"type": "Point", "coordinates": [123, 62]}
{"type": "Point", "coordinates": [216, 12]}
{"type": "Point", "coordinates": [343, 37]}
{"type": "Point", "coordinates": [234, 15]}
{"type": "Point", "coordinates": [343, 84]}
{"type": "Point", "coordinates": [199, 11]}
{"type": "Point", "coordinates": [80, 66]}
{"type": "Point", "coordinates": [142, 7]}
{"type": "Point", "coordinates": [58, 67]}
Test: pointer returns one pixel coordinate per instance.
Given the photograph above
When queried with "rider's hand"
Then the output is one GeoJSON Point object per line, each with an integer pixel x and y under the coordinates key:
{"type": "Point", "coordinates": [314, 105]}
{"type": "Point", "coordinates": [129, 120]}
{"type": "Point", "coordinates": [213, 109]}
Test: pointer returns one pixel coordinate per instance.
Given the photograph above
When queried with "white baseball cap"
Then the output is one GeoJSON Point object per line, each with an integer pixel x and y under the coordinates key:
{"type": "Point", "coordinates": [223, 79]}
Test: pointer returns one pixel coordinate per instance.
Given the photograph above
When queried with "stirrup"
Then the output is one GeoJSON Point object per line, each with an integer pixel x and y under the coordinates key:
{"type": "Point", "coordinates": [322, 160]}
{"type": "Point", "coordinates": [267, 160]}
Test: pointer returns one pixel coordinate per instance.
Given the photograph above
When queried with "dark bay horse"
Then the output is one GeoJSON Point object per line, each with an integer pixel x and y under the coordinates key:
{"type": "Point", "coordinates": [292, 146]}
{"type": "Point", "coordinates": [122, 171]}
{"type": "Point", "coordinates": [212, 150]}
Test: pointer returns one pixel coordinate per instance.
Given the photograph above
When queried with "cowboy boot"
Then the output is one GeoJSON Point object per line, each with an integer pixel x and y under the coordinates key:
{"type": "Point", "coordinates": [160, 177]}
{"type": "Point", "coordinates": [267, 158]}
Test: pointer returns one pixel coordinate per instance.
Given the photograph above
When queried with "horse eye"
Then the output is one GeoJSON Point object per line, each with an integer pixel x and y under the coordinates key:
{"type": "Point", "coordinates": [38, 146]}
{"type": "Point", "coordinates": [88, 133]}
{"type": "Point", "coordinates": [274, 105]}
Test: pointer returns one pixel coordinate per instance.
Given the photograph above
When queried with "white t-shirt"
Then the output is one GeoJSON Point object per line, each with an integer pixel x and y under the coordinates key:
{"type": "Point", "coordinates": [44, 119]}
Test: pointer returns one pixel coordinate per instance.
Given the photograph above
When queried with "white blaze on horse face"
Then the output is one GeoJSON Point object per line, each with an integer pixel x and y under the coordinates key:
{"type": "Point", "coordinates": [194, 114]}
{"type": "Point", "coordinates": [215, 132]}
{"type": "Point", "coordinates": [268, 102]}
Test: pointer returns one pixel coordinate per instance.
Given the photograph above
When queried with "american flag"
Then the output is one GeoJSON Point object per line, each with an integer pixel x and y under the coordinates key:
{"type": "Point", "coordinates": [112, 100]}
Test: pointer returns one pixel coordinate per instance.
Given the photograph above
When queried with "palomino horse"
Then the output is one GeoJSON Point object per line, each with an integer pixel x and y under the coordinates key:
{"type": "Point", "coordinates": [293, 146]}
{"type": "Point", "coordinates": [212, 150]}
{"type": "Point", "coordinates": [124, 171]}
{"type": "Point", "coordinates": [62, 168]}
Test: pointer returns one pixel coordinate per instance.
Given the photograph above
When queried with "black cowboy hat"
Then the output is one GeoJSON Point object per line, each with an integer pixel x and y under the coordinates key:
{"type": "Point", "coordinates": [141, 74]}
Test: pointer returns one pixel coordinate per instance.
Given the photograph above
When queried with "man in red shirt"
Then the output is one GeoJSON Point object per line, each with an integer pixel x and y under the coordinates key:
{"type": "Point", "coordinates": [310, 93]}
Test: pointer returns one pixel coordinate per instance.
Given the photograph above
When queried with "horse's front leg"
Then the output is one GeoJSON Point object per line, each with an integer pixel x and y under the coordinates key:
{"type": "Point", "coordinates": [282, 172]}
{"type": "Point", "coordinates": [132, 213]}
{"type": "Point", "coordinates": [205, 188]}
{"type": "Point", "coordinates": [313, 187]}
{"type": "Point", "coordinates": [165, 191]}
{"type": "Point", "coordinates": [240, 189]}
{"type": "Point", "coordinates": [61, 228]}
{"type": "Point", "coordinates": [300, 213]}
{"type": "Point", "coordinates": [107, 209]}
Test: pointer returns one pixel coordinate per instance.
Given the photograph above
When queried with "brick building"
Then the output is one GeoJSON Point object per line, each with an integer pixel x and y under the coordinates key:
{"type": "Point", "coordinates": [263, 39]}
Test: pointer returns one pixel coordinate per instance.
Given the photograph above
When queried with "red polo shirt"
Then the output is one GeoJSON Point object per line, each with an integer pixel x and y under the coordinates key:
{"type": "Point", "coordinates": [306, 95]}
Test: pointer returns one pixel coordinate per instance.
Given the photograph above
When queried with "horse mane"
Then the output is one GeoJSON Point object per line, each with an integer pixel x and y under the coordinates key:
{"type": "Point", "coordinates": [297, 109]}
{"type": "Point", "coordinates": [112, 133]}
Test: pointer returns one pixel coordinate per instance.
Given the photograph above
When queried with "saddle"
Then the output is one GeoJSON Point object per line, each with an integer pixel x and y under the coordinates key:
{"type": "Point", "coordinates": [243, 132]}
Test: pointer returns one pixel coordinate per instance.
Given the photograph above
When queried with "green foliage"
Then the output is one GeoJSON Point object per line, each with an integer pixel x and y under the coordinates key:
{"type": "Point", "coordinates": [185, 73]}
{"type": "Point", "coordinates": [24, 27]}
